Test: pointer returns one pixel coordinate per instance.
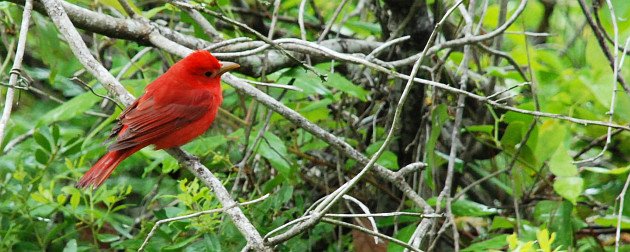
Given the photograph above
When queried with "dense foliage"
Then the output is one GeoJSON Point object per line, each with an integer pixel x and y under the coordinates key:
{"type": "Point", "coordinates": [539, 194]}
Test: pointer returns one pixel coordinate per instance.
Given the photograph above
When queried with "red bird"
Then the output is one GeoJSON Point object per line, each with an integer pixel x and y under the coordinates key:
{"type": "Point", "coordinates": [174, 109]}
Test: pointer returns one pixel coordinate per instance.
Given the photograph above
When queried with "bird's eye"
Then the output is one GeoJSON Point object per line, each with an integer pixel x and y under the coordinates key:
{"type": "Point", "coordinates": [208, 73]}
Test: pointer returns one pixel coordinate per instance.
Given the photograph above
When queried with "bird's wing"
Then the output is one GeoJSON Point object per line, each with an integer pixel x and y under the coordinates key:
{"type": "Point", "coordinates": [147, 120]}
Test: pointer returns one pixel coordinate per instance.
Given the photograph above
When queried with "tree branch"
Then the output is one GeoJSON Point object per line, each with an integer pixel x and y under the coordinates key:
{"type": "Point", "coordinates": [15, 71]}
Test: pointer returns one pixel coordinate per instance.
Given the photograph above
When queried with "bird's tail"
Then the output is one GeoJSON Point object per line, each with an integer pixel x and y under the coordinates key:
{"type": "Point", "coordinates": [103, 168]}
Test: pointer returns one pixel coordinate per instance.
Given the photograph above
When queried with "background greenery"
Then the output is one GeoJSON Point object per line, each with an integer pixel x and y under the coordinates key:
{"type": "Point", "coordinates": [562, 205]}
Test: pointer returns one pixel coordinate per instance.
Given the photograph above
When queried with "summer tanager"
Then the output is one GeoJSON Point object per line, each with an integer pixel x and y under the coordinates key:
{"type": "Point", "coordinates": [174, 109]}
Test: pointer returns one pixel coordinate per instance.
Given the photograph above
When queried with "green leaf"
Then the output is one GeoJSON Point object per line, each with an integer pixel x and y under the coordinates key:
{"type": "Point", "coordinates": [71, 246]}
{"type": "Point", "coordinates": [75, 199]}
{"type": "Point", "coordinates": [438, 117]}
{"type": "Point", "coordinates": [107, 238]}
{"type": "Point", "coordinates": [116, 5]}
{"type": "Point", "coordinates": [611, 221]}
{"type": "Point", "coordinates": [569, 188]}
{"type": "Point", "coordinates": [561, 163]}
{"type": "Point", "coordinates": [488, 129]}
{"type": "Point", "coordinates": [554, 135]}
{"type": "Point", "coordinates": [284, 195]}
{"type": "Point", "coordinates": [39, 198]}
{"type": "Point", "coordinates": [316, 110]}
{"type": "Point", "coordinates": [360, 26]}
{"type": "Point", "coordinates": [181, 244]}
{"type": "Point", "coordinates": [614, 171]}
{"type": "Point", "coordinates": [496, 242]}
{"type": "Point", "coordinates": [41, 156]}
{"type": "Point", "coordinates": [513, 135]}
{"type": "Point", "coordinates": [42, 141]}
{"type": "Point", "coordinates": [403, 234]}
{"type": "Point", "coordinates": [55, 133]}
{"type": "Point", "coordinates": [500, 222]}
{"type": "Point", "coordinates": [273, 149]}
{"type": "Point", "coordinates": [463, 207]}
{"type": "Point", "coordinates": [152, 12]}
{"type": "Point", "coordinates": [61, 199]}
{"type": "Point", "coordinates": [340, 82]}
{"type": "Point", "coordinates": [306, 80]}
{"type": "Point", "coordinates": [387, 159]}
{"type": "Point", "coordinates": [71, 108]}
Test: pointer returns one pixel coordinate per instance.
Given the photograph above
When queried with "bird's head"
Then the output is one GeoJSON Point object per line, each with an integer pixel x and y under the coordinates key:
{"type": "Point", "coordinates": [205, 68]}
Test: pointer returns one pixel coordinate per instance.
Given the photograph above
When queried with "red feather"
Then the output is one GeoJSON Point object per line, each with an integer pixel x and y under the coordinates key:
{"type": "Point", "coordinates": [178, 106]}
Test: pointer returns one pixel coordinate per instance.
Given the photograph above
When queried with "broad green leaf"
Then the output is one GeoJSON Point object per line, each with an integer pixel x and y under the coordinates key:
{"type": "Point", "coordinates": [71, 246]}
{"type": "Point", "coordinates": [496, 242]}
{"type": "Point", "coordinates": [152, 12]}
{"type": "Point", "coordinates": [107, 238]}
{"type": "Point", "coordinates": [283, 195]}
{"type": "Point", "coordinates": [479, 128]}
{"type": "Point", "coordinates": [611, 221]}
{"type": "Point", "coordinates": [463, 207]}
{"type": "Point", "coordinates": [459, 164]}
{"type": "Point", "coordinates": [342, 84]}
{"type": "Point", "coordinates": [561, 163]}
{"type": "Point", "coordinates": [553, 134]}
{"type": "Point", "coordinates": [61, 199]}
{"type": "Point", "coordinates": [75, 199]}
{"type": "Point", "coordinates": [273, 149]}
{"type": "Point", "coordinates": [39, 198]}
{"type": "Point", "coordinates": [360, 26]}
{"type": "Point", "coordinates": [71, 108]}
{"type": "Point", "coordinates": [316, 111]}
{"type": "Point", "coordinates": [513, 135]}
{"type": "Point", "coordinates": [614, 171]}
{"type": "Point", "coordinates": [569, 188]}
{"type": "Point", "coordinates": [403, 234]}
{"type": "Point", "coordinates": [387, 159]}
{"type": "Point", "coordinates": [306, 80]}
{"type": "Point", "coordinates": [42, 141]}
{"type": "Point", "coordinates": [182, 243]}
{"type": "Point", "coordinates": [500, 222]}
{"type": "Point", "coordinates": [116, 5]}
{"type": "Point", "coordinates": [41, 156]}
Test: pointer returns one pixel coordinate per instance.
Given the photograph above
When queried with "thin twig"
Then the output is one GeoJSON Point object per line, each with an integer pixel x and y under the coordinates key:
{"type": "Point", "coordinates": [332, 20]}
{"type": "Point", "coordinates": [132, 61]}
{"type": "Point", "coordinates": [274, 85]}
{"type": "Point", "coordinates": [249, 29]}
{"type": "Point", "coordinates": [206, 26]}
{"type": "Point", "coordinates": [274, 18]}
{"type": "Point", "coordinates": [226, 43]}
{"type": "Point", "coordinates": [459, 112]}
{"type": "Point", "coordinates": [620, 215]}
{"type": "Point", "coordinates": [193, 215]}
{"type": "Point", "coordinates": [613, 97]}
{"type": "Point", "coordinates": [602, 42]}
{"type": "Point", "coordinates": [17, 65]}
{"type": "Point", "coordinates": [77, 80]}
{"type": "Point", "coordinates": [370, 232]}
{"type": "Point", "coordinates": [127, 8]}
{"type": "Point", "coordinates": [466, 40]}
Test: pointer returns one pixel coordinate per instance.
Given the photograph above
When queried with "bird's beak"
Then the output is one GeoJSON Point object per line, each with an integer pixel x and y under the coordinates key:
{"type": "Point", "coordinates": [227, 66]}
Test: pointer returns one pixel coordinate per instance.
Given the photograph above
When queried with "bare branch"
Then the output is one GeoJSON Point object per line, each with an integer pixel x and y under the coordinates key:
{"type": "Point", "coordinates": [17, 65]}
